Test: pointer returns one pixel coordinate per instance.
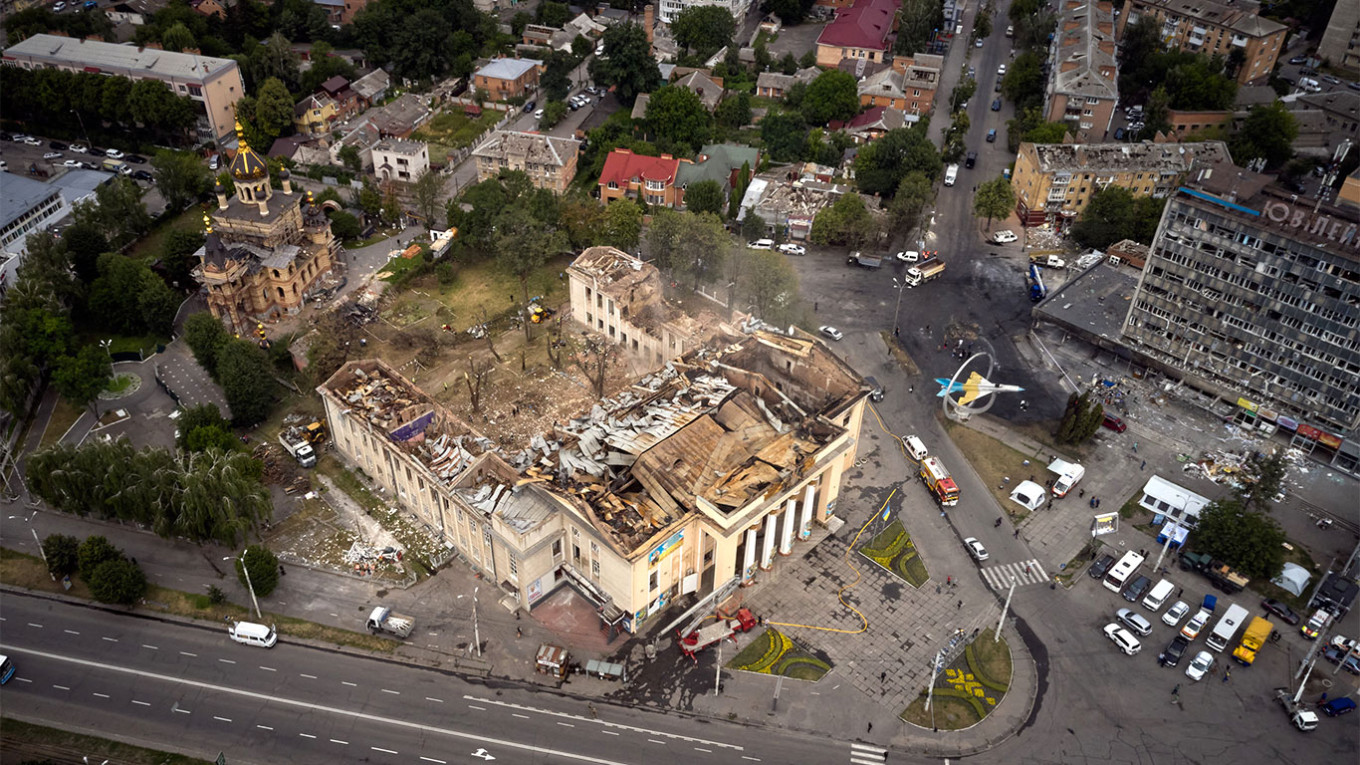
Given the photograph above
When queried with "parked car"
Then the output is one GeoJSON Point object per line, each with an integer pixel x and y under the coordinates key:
{"type": "Point", "coordinates": [214, 162]}
{"type": "Point", "coordinates": [80, 148]}
{"type": "Point", "coordinates": [793, 249]}
{"type": "Point", "coordinates": [1136, 589]}
{"type": "Point", "coordinates": [73, 163]}
{"type": "Point", "coordinates": [1113, 422]}
{"type": "Point", "coordinates": [1004, 237]}
{"type": "Point", "coordinates": [57, 146]}
{"type": "Point", "coordinates": [908, 256]}
{"type": "Point", "coordinates": [991, 136]}
{"type": "Point", "coordinates": [976, 549]}
{"type": "Point", "coordinates": [143, 175]}
{"type": "Point", "coordinates": [1196, 624]}
{"type": "Point", "coordinates": [6, 137]}
{"type": "Point", "coordinates": [1101, 567]}
{"type": "Point", "coordinates": [1134, 621]}
{"type": "Point", "coordinates": [1174, 614]}
{"type": "Point", "coordinates": [1121, 637]}
{"type": "Point", "coordinates": [1337, 655]}
{"type": "Point", "coordinates": [970, 160]}
{"type": "Point", "coordinates": [1338, 706]}
{"type": "Point", "coordinates": [28, 139]}
{"type": "Point", "coordinates": [113, 154]}
{"type": "Point", "coordinates": [1119, 134]}
{"type": "Point", "coordinates": [136, 159]}
{"type": "Point", "coordinates": [1315, 624]}
{"type": "Point", "coordinates": [832, 332]}
{"type": "Point", "coordinates": [761, 244]}
{"type": "Point", "coordinates": [1200, 666]}
{"type": "Point", "coordinates": [996, 105]}
{"type": "Point", "coordinates": [1298, 59]}
{"type": "Point", "coordinates": [1285, 613]}
{"type": "Point", "coordinates": [1171, 655]}
{"type": "Point", "coordinates": [529, 106]}
{"type": "Point", "coordinates": [1001, 71]}
{"type": "Point", "coordinates": [53, 155]}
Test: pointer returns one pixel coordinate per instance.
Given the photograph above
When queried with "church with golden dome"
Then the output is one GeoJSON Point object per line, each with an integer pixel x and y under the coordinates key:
{"type": "Point", "coordinates": [264, 250]}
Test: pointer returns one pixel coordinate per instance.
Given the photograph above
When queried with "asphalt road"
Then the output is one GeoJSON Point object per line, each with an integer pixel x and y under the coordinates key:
{"type": "Point", "coordinates": [190, 688]}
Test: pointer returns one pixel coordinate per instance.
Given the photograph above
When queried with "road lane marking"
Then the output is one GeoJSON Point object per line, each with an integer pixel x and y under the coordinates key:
{"type": "Point", "coordinates": [611, 732]}
{"type": "Point", "coordinates": [223, 719]}
{"type": "Point", "coordinates": [394, 693]}
{"type": "Point", "coordinates": [338, 741]}
{"type": "Point", "coordinates": [392, 721]}
{"type": "Point", "coordinates": [431, 698]}
{"type": "Point", "coordinates": [152, 647]}
{"type": "Point", "coordinates": [752, 759]}
{"type": "Point", "coordinates": [474, 706]}
{"type": "Point", "coordinates": [190, 655]}
{"type": "Point", "coordinates": [306, 735]}
{"type": "Point", "coordinates": [617, 726]}
{"type": "Point", "coordinates": [701, 749]}
{"type": "Point", "coordinates": [34, 624]}
{"type": "Point", "coordinates": [565, 724]}
{"type": "Point", "coordinates": [264, 727]}
{"type": "Point", "coordinates": [346, 682]}
{"type": "Point", "coordinates": [141, 703]}
{"type": "Point", "coordinates": [227, 661]}
{"type": "Point", "coordinates": [71, 632]}
{"type": "Point", "coordinates": [309, 677]}
{"type": "Point", "coordinates": [654, 741]}
{"type": "Point", "coordinates": [23, 679]}
{"type": "Point", "coordinates": [181, 711]}
{"type": "Point", "coordinates": [61, 687]}
{"type": "Point", "coordinates": [380, 749]}
{"type": "Point", "coordinates": [100, 695]}
{"type": "Point", "coordinates": [109, 639]}
{"type": "Point", "coordinates": [268, 669]}
{"type": "Point", "coordinates": [437, 762]}
{"type": "Point", "coordinates": [522, 717]}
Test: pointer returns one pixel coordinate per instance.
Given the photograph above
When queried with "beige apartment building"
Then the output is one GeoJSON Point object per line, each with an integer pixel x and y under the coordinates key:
{"type": "Point", "coordinates": [1083, 80]}
{"type": "Point", "coordinates": [1229, 29]}
{"type": "Point", "coordinates": [1340, 45]}
{"type": "Point", "coordinates": [697, 476]}
{"type": "Point", "coordinates": [213, 83]}
{"type": "Point", "coordinates": [1054, 181]}
{"type": "Point", "coordinates": [549, 161]}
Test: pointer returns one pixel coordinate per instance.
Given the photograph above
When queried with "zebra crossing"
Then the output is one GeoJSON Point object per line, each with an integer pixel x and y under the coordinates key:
{"type": "Point", "coordinates": [865, 754]}
{"type": "Point", "coordinates": [1024, 572]}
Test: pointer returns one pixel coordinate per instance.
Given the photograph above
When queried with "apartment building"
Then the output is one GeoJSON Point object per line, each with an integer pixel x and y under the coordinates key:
{"type": "Point", "coordinates": [1083, 81]}
{"type": "Point", "coordinates": [401, 161]}
{"type": "Point", "coordinates": [1231, 29]}
{"type": "Point", "coordinates": [908, 85]}
{"type": "Point", "coordinates": [693, 486]}
{"type": "Point", "coordinates": [669, 9]}
{"type": "Point", "coordinates": [213, 83]}
{"type": "Point", "coordinates": [549, 161]}
{"type": "Point", "coordinates": [858, 32]}
{"type": "Point", "coordinates": [1252, 295]}
{"type": "Point", "coordinates": [1340, 45]}
{"type": "Point", "coordinates": [1054, 181]}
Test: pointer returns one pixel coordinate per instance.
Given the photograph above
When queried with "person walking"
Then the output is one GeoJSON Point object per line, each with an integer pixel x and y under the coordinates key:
{"type": "Point", "coordinates": [1142, 465]}
{"type": "Point", "coordinates": [960, 607]}
{"type": "Point", "coordinates": [593, 713]}
{"type": "Point", "coordinates": [883, 676]}
{"type": "Point", "coordinates": [1227, 674]}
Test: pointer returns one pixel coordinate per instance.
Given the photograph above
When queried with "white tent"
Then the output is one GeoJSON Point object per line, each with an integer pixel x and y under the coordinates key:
{"type": "Point", "coordinates": [1294, 578]}
{"type": "Point", "coordinates": [1028, 495]}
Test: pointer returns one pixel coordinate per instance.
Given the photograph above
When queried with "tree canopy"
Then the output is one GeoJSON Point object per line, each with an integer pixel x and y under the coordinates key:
{"type": "Point", "coordinates": [703, 29]}
{"type": "Point", "coordinates": [1113, 214]}
{"type": "Point", "coordinates": [847, 221]}
{"type": "Point", "coordinates": [834, 95]}
{"type": "Point", "coordinates": [994, 199]}
{"type": "Point", "coordinates": [705, 196]}
{"type": "Point", "coordinates": [627, 64]}
{"type": "Point", "coordinates": [880, 166]}
{"type": "Point", "coordinates": [678, 120]}
{"type": "Point", "coordinates": [1267, 133]}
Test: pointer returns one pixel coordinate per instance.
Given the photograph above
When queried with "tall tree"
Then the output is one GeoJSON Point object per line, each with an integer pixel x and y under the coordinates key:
{"type": "Point", "coordinates": [1267, 133]}
{"type": "Point", "coordinates": [703, 29]}
{"type": "Point", "coordinates": [834, 95]}
{"type": "Point", "coordinates": [767, 282]}
{"type": "Point", "coordinates": [845, 222]}
{"type": "Point", "coordinates": [1249, 541]}
{"type": "Point", "coordinates": [994, 199]}
{"type": "Point", "coordinates": [785, 136]}
{"type": "Point", "coordinates": [247, 381]}
{"type": "Point", "coordinates": [181, 177]}
{"type": "Point", "coordinates": [81, 377]}
{"type": "Point", "coordinates": [622, 225]}
{"type": "Point", "coordinates": [704, 196]}
{"type": "Point", "coordinates": [524, 244]}
{"type": "Point", "coordinates": [205, 336]}
{"type": "Point", "coordinates": [880, 166]}
{"type": "Point", "coordinates": [627, 65]}
{"type": "Point", "coordinates": [273, 114]}
{"type": "Point", "coordinates": [678, 119]}
{"type": "Point", "coordinates": [914, 194]}
{"type": "Point", "coordinates": [427, 193]}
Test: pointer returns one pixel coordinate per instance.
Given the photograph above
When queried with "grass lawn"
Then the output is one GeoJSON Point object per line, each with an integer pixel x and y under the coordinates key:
{"type": "Point", "coordinates": [354, 244]}
{"type": "Point", "coordinates": [398, 266]}
{"type": "Point", "coordinates": [994, 462]}
{"type": "Point", "coordinates": [119, 383]}
{"type": "Point", "coordinates": [454, 130]}
{"type": "Point", "coordinates": [893, 549]}
{"type": "Point", "coordinates": [484, 286]}
{"type": "Point", "coordinates": [26, 742]}
{"type": "Point", "coordinates": [149, 246]}
{"type": "Point", "coordinates": [64, 415]}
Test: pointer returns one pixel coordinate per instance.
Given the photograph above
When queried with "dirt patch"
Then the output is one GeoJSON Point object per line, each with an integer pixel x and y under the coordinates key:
{"type": "Point", "coordinates": [26, 742]}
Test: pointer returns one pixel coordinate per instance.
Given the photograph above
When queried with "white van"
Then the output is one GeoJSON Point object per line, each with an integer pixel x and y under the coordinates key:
{"type": "Point", "coordinates": [1157, 598]}
{"type": "Point", "coordinates": [914, 447]}
{"type": "Point", "coordinates": [250, 633]}
{"type": "Point", "coordinates": [951, 174]}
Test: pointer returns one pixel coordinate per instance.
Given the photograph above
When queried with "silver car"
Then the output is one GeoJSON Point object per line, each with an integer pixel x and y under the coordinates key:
{"type": "Point", "coordinates": [1173, 615]}
{"type": "Point", "coordinates": [1200, 666]}
{"type": "Point", "coordinates": [1121, 637]}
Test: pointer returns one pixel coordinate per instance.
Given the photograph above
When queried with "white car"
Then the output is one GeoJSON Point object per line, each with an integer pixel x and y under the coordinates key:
{"type": "Point", "coordinates": [1134, 621]}
{"type": "Point", "coordinates": [1001, 71]}
{"type": "Point", "coordinates": [909, 256]}
{"type": "Point", "coordinates": [1174, 614]}
{"type": "Point", "coordinates": [793, 249]}
{"type": "Point", "coordinates": [52, 155]}
{"type": "Point", "coordinates": [1004, 237]}
{"type": "Point", "coordinates": [80, 148]}
{"type": "Point", "coordinates": [28, 139]}
{"type": "Point", "coordinates": [832, 332]}
{"type": "Point", "coordinates": [214, 163]}
{"type": "Point", "coordinates": [113, 154]}
{"type": "Point", "coordinates": [976, 549]}
{"type": "Point", "coordinates": [73, 163]}
{"type": "Point", "coordinates": [761, 244]}
{"type": "Point", "coordinates": [1121, 637]}
{"type": "Point", "coordinates": [1200, 666]}
{"type": "Point", "coordinates": [1196, 624]}
{"type": "Point", "coordinates": [538, 115]}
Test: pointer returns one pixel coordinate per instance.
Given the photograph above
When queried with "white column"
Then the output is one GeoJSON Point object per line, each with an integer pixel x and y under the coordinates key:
{"type": "Point", "coordinates": [805, 523]}
{"type": "Point", "coordinates": [790, 515]}
{"type": "Point", "coordinates": [767, 551]}
{"type": "Point", "coordinates": [748, 565]}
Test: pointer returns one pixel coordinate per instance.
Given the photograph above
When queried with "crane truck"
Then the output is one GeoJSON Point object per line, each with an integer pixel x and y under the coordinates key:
{"type": "Point", "coordinates": [1303, 718]}
{"type": "Point", "coordinates": [1037, 290]}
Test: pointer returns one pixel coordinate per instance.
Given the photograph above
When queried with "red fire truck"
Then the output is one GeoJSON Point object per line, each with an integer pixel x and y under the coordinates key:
{"type": "Point", "coordinates": [936, 478]}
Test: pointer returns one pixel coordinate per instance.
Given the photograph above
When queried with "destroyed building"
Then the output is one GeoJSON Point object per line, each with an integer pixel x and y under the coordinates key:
{"type": "Point", "coordinates": [694, 475]}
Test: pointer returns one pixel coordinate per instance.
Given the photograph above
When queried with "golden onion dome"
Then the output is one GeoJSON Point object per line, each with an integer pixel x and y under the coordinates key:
{"type": "Point", "coordinates": [247, 165]}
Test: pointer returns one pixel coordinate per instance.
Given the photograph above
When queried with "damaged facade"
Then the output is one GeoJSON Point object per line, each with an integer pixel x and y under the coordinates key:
{"type": "Point", "coordinates": [695, 474]}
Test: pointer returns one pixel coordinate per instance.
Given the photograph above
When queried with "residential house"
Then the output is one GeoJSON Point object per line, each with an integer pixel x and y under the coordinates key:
{"type": "Point", "coordinates": [586, 26]}
{"type": "Point", "coordinates": [1054, 181]}
{"type": "Point", "coordinates": [708, 89]}
{"type": "Point", "coordinates": [721, 162]}
{"type": "Point", "coordinates": [1233, 29]}
{"type": "Point", "coordinates": [1340, 45]}
{"type": "Point", "coordinates": [776, 84]}
{"type": "Point", "coordinates": [213, 84]}
{"type": "Point", "coordinates": [1083, 89]}
{"type": "Point", "coordinates": [908, 85]}
{"type": "Point", "coordinates": [347, 102]}
{"type": "Point", "coordinates": [134, 12]}
{"type": "Point", "coordinates": [858, 32]}
{"type": "Point", "coordinates": [507, 78]}
{"type": "Point", "coordinates": [537, 34]}
{"type": "Point", "coordinates": [335, 11]}
{"type": "Point", "coordinates": [371, 88]}
{"type": "Point", "coordinates": [549, 161]}
{"type": "Point", "coordinates": [652, 179]}
{"type": "Point", "coordinates": [873, 122]}
{"type": "Point", "coordinates": [401, 117]}
{"type": "Point", "coordinates": [401, 161]}
{"type": "Point", "coordinates": [313, 115]}
{"type": "Point", "coordinates": [789, 206]}
{"type": "Point", "coordinates": [216, 8]}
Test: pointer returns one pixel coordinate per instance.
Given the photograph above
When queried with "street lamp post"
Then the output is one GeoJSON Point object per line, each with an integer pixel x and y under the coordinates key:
{"type": "Point", "coordinates": [901, 287]}
{"type": "Point", "coordinates": [249, 585]}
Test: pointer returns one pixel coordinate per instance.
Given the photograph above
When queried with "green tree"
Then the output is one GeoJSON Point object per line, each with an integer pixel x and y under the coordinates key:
{"type": "Point", "coordinates": [788, 11]}
{"type": "Point", "coordinates": [1267, 133]}
{"type": "Point", "coordinates": [117, 210]}
{"type": "Point", "coordinates": [247, 381]}
{"type": "Point", "coordinates": [1264, 479]}
{"type": "Point", "coordinates": [1249, 541]}
{"type": "Point", "coordinates": [113, 296]}
{"type": "Point", "coordinates": [62, 553]}
{"type": "Point", "coordinates": [85, 243]}
{"type": "Point", "coordinates": [1075, 425]}
{"type": "Point", "coordinates": [845, 222]}
{"type": "Point", "coordinates": [177, 255]}
{"type": "Point", "coordinates": [961, 93]}
{"type": "Point", "coordinates": [753, 226]}
{"type": "Point", "coordinates": [788, 64]}
{"type": "Point", "coordinates": [1047, 132]}
{"type": "Point", "coordinates": [349, 157]}
{"type": "Point", "coordinates": [518, 22]}
{"type": "Point", "coordinates": [982, 25]}
{"type": "Point", "coordinates": [622, 225]}
{"type": "Point", "coordinates": [627, 65]}
{"type": "Point", "coordinates": [784, 135]}
{"type": "Point", "coordinates": [426, 193]}
{"type": "Point", "coordinates": [552, 14]}
{"type": "Point", "coordinates": [678, 119]}
{"type": "Point", "coordinates": [914, 194]}
{"type": "Point", "coordinates": [994, 199]}
{"type": "Point", "coordinates": [581, 46]}
{"type": "Point", "coordinates": [834, 95]}
{"type": "Point", "coordinates": [205, 336]}
{"type": "Point", "coordinates": [181, 177]}
{"type": "Point", "coordinates": [263, 565]}
{"type": "Point", "coordinates": [345, 226]}
{"type": "Point", "coordinates": [555, 81]}
{"type": "Point", "coordinates": [202, 427]}
{"type": "Point", "coordinates": [120, 581]}
{"type": "Point", "coordinates": [880, 166]}
{"type": "Point", "coordinates": [93, 552]}
{"type": "Point", "coordinates": [177, 38]}
{"type": "Point", "coordinates": [273, 111]}
{"type": "Point", "coordinates": [1107, 219]}
{"type": "Point", "coordinates": [1023, 83]}
{"type": "Point", "coordinates": [704, 197]}
{"type": "Point", "coordinates": [918, 20]}
{"type": "Point", "coordinates": [767, 282]}
{"type": "Point", "coordinates": [524, 244]}
{"type": "Point", "coordinates": [734, 111]}
{"type": "Point", "coordinates": [81, 377]}
{"type": "Point", "coordinates": [553, 113]}
{"type": "Point", "coordinates": [703, 29]}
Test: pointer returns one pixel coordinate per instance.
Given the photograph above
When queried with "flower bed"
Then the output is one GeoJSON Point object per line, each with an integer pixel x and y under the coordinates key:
{"type": "Point", "coordinates": [773, 653]}
{"type": "Point", "coordinates": [893, 549]}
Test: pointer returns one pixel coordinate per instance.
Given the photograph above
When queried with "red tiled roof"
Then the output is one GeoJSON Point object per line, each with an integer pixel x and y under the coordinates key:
{"type": "Point", "coordinates": [623, 166]}
{"type": "Point", "coordinates": [867, 117]}
{"type": "Point", "coordinates": [866, 24]}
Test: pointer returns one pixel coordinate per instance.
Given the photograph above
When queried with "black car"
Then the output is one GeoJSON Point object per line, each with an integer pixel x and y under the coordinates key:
{"type": "Point", "coordinates": [135, 159]}
{"type": "Point", "coordinates": [529, 106]}
{"type": "Point", "coordinates": [1136, 589]}
{"type": "Point", "coordinates": [1101, 567]}
{"type": "Point", "coordinates": [6, 137]}
{"type": "Point", "coordinates": [1285, 613]}
{"type": "Point", "coordinates": [996, 105]}
{"type": "Point", "coordinates": [58, 146]}
{"type": "Point", "coordinates": [142, 175]}
{"type": "Point", "coordinates": [1119, 134]}
{"type": "Point", "coordinates": [1171, 655]}
{"type": "Point", "coordinates": [970, 160]}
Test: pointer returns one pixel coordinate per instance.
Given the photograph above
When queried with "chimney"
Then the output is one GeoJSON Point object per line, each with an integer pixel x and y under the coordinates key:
{"type": "Point", "coordinates": [649, 21]}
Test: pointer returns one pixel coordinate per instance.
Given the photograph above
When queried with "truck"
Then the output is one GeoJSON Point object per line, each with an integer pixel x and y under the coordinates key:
{"type": "Point", "coordinates": [295, 444]}
{"type": "Point", "coordinates": [864, 260]}
{"type": "Point", "coordinates": [920, 274]}
{"type": "Point", "coordinates": [1037, 290]}
{"type": "Point", "coordinates": [699, 639]}
{"type": "Point", "coordinates": [1258, 632]}
{"type": "Point", "coordinates": [936, 477]}
{"type": "Point", "coordinates": [384, 619]}
{"type": "Point", "coordinates": [1303, 718]}
{"type": "Point", "coordinates": [1047, 260]}
{"type": "Point", "coordinates": [1226, 628]}
{"type": "Point", "coordinates": [1068, 475]}
{"type": "Point", "coordinates": [1224, 578]}
{"type": "Point", "coordinates": [116, 166]}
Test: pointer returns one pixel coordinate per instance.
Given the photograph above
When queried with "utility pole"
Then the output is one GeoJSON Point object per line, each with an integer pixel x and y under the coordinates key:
{"type": "Point", "coordinates": [249, 585]}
